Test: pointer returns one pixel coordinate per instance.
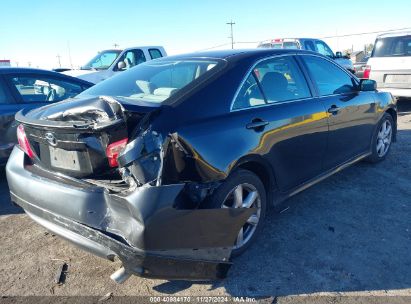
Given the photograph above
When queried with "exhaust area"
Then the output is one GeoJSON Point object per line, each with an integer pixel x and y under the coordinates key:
{"type": "Point", "coordinates": [120, 275]}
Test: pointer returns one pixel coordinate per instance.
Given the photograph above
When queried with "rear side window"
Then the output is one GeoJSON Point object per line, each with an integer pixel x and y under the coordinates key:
{"type": "Point", "coordinates": [35, 89]}
{"type": "Point", "coordinates": [155, 53]}
{"type": "Point", "coordinates": [392, 46]}
{"type": "Point", "coordinates": [329, 78]}
{"type": "Point", "coordinates": [280, 79]}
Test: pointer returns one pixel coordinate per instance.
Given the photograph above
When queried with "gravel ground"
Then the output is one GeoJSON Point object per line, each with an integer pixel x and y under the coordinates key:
{"type": "Point", "coordinates": [348, 235]}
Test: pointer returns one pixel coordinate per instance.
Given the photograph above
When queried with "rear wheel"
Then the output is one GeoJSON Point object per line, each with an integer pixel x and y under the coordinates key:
{"type": "Point", "coordinates": [242, 189]}
{"type": "Point", "coordinates": [382, 139]}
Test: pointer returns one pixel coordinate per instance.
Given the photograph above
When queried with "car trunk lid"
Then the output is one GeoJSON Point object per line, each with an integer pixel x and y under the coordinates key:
{"type": "Point", "coordinates": [72, 136]}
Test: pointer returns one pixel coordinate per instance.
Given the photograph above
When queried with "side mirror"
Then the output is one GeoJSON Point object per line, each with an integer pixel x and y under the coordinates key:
{"type": "Point", "coordinates": [121, 65]}
{"type": "Point", "coordinates": [368, 85]}
{"type": "Point", "coordinates": [338, 55]}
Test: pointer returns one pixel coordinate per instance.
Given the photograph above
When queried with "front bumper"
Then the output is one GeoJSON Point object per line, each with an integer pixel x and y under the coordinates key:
{"type": "Point", "coordinates": [146, 229]}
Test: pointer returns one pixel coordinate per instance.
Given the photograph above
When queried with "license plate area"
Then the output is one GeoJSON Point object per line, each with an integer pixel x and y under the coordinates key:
{"type": "Point", "coordinates": [398, 78]}
{"type": "Point", "coordinates": [63, 159]}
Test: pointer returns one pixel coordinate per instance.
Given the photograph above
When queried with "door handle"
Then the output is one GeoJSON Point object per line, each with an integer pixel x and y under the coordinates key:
{"type": "Point", "coordinates": [333, 109]}
{"type": "Point", "coordinates": [257, 124]}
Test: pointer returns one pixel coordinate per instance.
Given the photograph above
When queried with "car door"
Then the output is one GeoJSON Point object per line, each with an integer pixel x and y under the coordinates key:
{"type": "Point", "coordinates": [285, 123]}
{"type": "Point", "coordinates": [351, 113]}
{"type": "Point", "coordinates": [8, 108]}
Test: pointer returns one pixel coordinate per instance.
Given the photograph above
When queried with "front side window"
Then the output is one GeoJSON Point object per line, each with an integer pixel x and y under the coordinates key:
{"type": "Point", "coordinates": [155, 53]}
{"type": "Point", "coordinates": [329, 78]}
{"type": "Point", "coordinates": [42, 89]}
{"type": "Point", "coordinates": [102, 61]}
{"type": "Point", "coordinates": [280, 79]}
{"type": "Point", "coordinates": [132, 58]}
{"type": "Point", "coordinates": [153, 81]}
{"type": "Point", "coordinates": [323, 49]}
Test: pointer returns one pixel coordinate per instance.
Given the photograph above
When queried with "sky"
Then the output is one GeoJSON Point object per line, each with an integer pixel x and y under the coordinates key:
{"type": "Point", "coordinates": [36, 32]}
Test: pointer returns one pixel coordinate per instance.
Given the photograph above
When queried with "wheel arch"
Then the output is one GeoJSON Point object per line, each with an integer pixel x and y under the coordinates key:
{"type": "Point", "coordinates": [262, 168]}
{"type": "Point", "coordinates": [393, 114]}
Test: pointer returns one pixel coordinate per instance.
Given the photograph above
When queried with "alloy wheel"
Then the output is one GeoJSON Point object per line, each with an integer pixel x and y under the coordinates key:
{"type": "Point", "coordinates": [245, 196]}
{"type": "Point", "coordinates": [384, 138]}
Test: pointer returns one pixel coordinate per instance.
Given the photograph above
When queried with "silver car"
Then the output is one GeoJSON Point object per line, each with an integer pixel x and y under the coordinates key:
{"type": "Point", "coordinates": [390, 63]}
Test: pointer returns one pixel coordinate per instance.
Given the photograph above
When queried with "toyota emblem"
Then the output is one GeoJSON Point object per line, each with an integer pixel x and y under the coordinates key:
{"type": "Point", "coordinates": [51, 139]}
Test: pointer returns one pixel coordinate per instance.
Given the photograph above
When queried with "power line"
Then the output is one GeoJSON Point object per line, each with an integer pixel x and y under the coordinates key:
{"type": "Point", "coordinates": [366, 33]}
{"type": "Point", "coordinates": [345, 35]}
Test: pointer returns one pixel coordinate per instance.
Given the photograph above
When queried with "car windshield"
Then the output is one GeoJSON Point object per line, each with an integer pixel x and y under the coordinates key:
{"type": "Point", "coordinates": [102, 61]}
{"type": "Point", "coordinates": [153, 81]}
{"type": "Point", "coordinates": [392, 46]}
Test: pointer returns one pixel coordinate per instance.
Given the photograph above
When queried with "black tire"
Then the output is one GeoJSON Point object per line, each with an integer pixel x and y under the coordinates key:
{"type": "Point", "coordinates": [246, 178]}
{"type": "Point", "coordinates": [376, 157]}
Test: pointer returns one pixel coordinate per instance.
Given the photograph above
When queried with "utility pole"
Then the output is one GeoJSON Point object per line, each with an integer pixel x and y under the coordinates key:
{"type": "Point", "coordinates": [69, 54]}
{"type": "Point", "coordinates": [231, 23]}
{"type": "Point", "coordinates": [58, 57]}
{"type": "Point", "coordinates": [115, 45]}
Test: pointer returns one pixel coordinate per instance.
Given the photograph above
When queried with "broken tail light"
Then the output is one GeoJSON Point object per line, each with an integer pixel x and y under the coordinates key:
{"type": "Point", "coordinates": [113, 150]}
{"type": "Point", "coordinates": [24, 142]}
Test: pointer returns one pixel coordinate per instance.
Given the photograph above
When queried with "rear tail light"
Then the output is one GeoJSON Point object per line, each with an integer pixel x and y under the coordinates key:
{"type": "Point", "coordinates": [367, 72]}
{"type": "Point", "coordinates": [24, 142]}
{"type": "Point", "coordinates": [113, 150]}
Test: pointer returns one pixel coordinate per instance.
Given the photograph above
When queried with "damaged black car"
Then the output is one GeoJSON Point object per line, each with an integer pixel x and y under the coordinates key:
{"type": "Point", "coordinates": [171, 166]}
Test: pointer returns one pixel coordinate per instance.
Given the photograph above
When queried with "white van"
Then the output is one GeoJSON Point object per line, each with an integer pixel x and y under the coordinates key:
{"type": "Point", "coordinates": [390, 64]}
{"type": "Point", "coordinates": [110, 62]}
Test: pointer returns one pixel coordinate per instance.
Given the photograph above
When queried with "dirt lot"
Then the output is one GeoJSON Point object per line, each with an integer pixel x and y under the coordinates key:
{"type": "Point", "coordinates": [349, 235]}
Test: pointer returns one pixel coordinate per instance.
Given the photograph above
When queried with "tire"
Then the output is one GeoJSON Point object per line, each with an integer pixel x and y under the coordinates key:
{"type": "Point", "coordinates": [225, 197]}
{"type": "Point", "coordinates": [379, 153]}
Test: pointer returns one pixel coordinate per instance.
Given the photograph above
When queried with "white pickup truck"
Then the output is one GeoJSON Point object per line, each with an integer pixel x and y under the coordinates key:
{"type": "Point", "coordinates": [110, 62]}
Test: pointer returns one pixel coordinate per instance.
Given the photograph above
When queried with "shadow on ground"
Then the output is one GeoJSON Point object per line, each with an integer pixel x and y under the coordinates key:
{"type": "Point", "coordinates": [351, 232]}
{"type": "Point", "coordinates": [6, 207]}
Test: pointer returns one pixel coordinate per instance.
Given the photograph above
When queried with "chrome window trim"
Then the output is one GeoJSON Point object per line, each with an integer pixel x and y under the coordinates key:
{"type": "Point", "coordinates": [267, 104]}
{"type": "Point", "coordinates": [272, 104]}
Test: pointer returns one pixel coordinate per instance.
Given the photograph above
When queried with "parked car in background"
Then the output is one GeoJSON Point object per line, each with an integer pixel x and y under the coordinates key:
{"type": "Point", "coordinates": [170, 165]}
{"type": "Point", "coordinates": [110, 62]}
{"type": "Point", "coordinates": [30, 88]}
{"type": "Point", "coordinates": [390, 63]}
{"type": "Point", "coordinates": [359, 67]}
{"type": "Point", "coordinates": [309, 44]}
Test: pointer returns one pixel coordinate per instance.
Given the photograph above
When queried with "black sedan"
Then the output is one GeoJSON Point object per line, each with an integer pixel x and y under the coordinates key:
{"type": "Point", "coordinates": [29, 88]}
{"type": "Point", "coordinates": [171, 165]}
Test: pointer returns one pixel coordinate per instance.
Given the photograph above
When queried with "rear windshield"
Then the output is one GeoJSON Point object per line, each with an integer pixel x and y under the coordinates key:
{"type": "Point", "coordinates": [154, 81]}
{"type": "Point", "coordinates": [392, 47]}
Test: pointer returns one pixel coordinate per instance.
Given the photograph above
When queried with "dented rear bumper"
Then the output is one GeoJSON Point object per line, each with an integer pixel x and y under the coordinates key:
{"type": "Point", "coordinates": [152, 229]}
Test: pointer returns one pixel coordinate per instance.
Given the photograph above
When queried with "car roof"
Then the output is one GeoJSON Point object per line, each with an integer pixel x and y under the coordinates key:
{"type": "Point", "coordinates": [239, 53]}
{"type": "Point", "coordinates": [395, 34]}
{"type": "Point", "coordinates": [18, 70]}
